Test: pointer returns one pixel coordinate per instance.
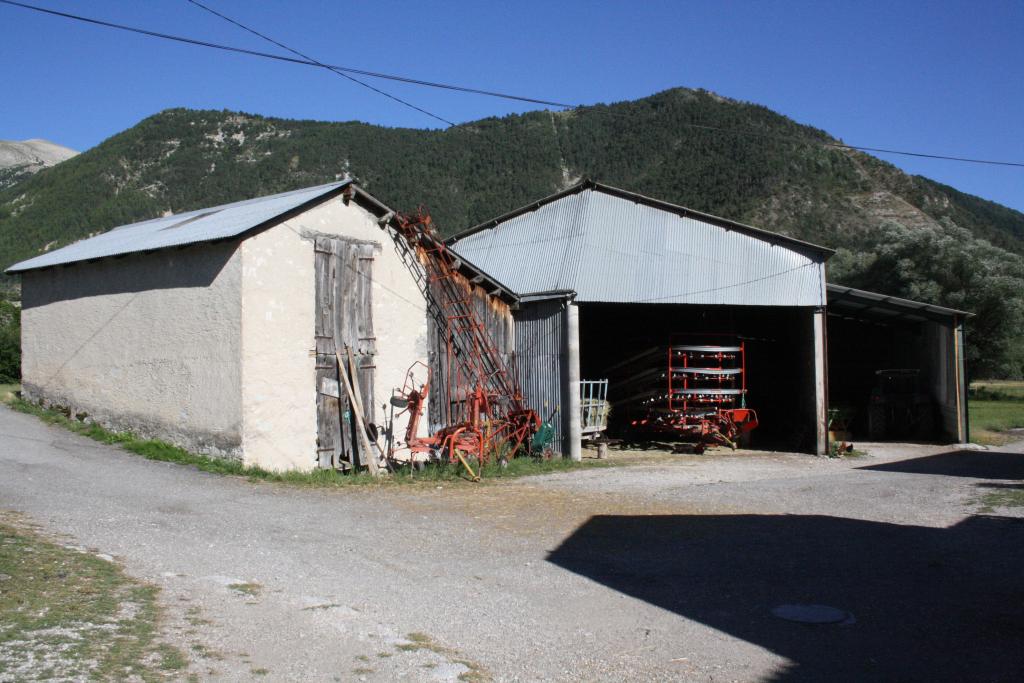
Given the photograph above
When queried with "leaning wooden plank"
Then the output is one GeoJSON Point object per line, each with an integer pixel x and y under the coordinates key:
{"type": "Point", "coordinates": [357, 413]}
{"type": "Point", "coordinates": [346, 384]}
{"type": "Point", "coordinates": [330, 305]}
{"type": "Point", "coordinates": [354, 375]}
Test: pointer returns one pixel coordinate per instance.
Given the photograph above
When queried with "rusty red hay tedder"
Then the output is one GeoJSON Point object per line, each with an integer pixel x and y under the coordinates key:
{"type": "Point", "coordinates": [483, 410]}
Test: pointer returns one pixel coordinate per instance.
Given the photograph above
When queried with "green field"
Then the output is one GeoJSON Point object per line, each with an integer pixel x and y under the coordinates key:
{"type": "Point", "coordinates": [996, 416]}
{"type": "Point", "coordinates": [1011, 390]}
{"type": "Point", "coordinates": [995, 407]}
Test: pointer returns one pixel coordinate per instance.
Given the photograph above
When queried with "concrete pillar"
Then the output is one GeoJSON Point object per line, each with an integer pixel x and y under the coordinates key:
{"type": "Point", "coordinates": [962, 413]}
{"type": "Point", "coordinates": [574, 429]}
{"type": "Point", "coordinates": [820, 383]}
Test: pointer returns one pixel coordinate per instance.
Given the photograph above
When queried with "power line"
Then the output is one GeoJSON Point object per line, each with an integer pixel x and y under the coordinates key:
{"type": "Point", "coordinates": [391, 77]}
{"type": "Point", "coordinates": [282, 58]}
{"type": "Point", "coordinates": [318, 63]}
{"type": "Point", "coordinates": [447, 86]}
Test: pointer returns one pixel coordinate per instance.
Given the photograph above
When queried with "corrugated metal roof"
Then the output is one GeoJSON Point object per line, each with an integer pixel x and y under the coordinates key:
{"type": "Point", "coordinates": [609, 245]}
{"type": "Point", "coordinates": [204, 225]}
{"type": "Point", "coordinates": [858, 302]}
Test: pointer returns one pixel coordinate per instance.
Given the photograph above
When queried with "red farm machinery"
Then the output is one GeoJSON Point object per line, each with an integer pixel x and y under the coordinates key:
{"type": "Point", "coordinates": [694, 390]}
{"type": "Point", "coordinates": [482, 410]}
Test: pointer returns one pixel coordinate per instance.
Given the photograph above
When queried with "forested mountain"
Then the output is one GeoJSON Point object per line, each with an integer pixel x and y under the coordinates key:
{"type": "Point", "coordinates": [900, 234]}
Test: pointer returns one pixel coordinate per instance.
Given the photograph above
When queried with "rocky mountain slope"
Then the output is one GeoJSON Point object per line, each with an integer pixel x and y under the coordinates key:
{"type": "Point", "coordinates": [19, 160]}
{"type": "Point", "coordinates": [895, 233]}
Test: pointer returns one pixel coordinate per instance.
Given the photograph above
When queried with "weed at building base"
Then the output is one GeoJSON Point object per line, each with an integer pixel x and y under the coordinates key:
{"type": "Point", "coordinates": [153, 449]}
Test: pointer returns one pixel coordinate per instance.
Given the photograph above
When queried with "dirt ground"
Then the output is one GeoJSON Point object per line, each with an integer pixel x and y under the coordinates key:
{"type": "Point", "coordinates": [666, 569]}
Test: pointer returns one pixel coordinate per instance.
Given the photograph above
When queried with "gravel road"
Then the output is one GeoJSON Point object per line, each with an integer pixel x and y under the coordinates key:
{"type": "Point", "coordinates": [666, 570]}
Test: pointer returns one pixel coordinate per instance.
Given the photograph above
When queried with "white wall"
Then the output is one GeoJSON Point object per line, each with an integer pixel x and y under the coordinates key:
{"type": "Point", "coordinates": [210, 347]}
{"type": "Point", "coordinates": [278, 291]}
{"type": "Point", "coordinates": [145, 343]}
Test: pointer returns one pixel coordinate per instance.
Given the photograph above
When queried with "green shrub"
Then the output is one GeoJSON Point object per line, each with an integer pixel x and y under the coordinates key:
{"type": "Point", "coordinates": [10, 343]}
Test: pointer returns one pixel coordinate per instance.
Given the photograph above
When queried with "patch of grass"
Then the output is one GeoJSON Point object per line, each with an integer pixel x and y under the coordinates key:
{"type": "Point", "coordinates": [525, 467]}
{"type": "Point", "coordinates": [421, 641]}
{"type": "Point", "coordinates": [984, 437]}
{"type": "Point", "coordinates": [474, 675]}
{"type": "Point", "coordinates": [259, 672]}
{"type": "Point", "coordinates": [67, 614]}
{"type": "Point", "coordinates": [193, 615]}
{"type": "Point", "coordinates": [989, 418]}
{"type": "Point", "coordinates": [362, 671]}
{"type": "Point", "coordinates": [326, 606]}
{"type": "Point", "coordinates": [9, 392]}
{"type": "Point", "coordinates": [206, 652]}
{"type": "Point", "coordinates": [1006, 496]}
{"type": "Point", "coordinates": [251, 589]}
{"type": "Point", "coordinates": [171, 658]}
{"type": "Point", "coordinates": [834, 451]}
{"type": "Point", "coordinates": [158, 450]}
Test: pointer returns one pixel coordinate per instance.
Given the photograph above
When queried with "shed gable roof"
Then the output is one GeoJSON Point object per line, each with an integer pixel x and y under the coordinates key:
{"type": "Point", "coordinates": [192, 227]}
{"type": "Point", "coordinates": [610, 245]}
{"type": "Point", "coordinates": [847, 301]}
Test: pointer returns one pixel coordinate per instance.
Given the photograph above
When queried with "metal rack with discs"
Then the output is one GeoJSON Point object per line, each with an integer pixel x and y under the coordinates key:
{"type": "Point", "coordinates": [690, 391]}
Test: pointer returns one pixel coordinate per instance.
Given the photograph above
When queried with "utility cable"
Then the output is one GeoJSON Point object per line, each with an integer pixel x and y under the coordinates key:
{"type": "Point", "coordinates": [489, 93]}
{"type": "Point", "coordinates": [332, 69]}
{"type": "Point", "coordinates": [226, 48]}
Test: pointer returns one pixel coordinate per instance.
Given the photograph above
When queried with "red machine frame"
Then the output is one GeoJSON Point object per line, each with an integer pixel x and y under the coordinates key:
{"type": "Point", "coordinates": [484, 411]}
{"type": "Point", "coordinates": [704, 402]}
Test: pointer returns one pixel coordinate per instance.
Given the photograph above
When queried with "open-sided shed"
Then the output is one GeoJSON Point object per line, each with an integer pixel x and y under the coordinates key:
{"type": "Point", "coordinates": [605, 274]}
{"type": "Point", "coordinates": [874, 339]}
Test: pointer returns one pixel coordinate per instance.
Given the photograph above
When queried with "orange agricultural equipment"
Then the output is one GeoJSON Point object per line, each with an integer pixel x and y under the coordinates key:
{"type": "Point", "coordinates": [483, 412]}
{"type": "Point", "coordinates": [698, 393]}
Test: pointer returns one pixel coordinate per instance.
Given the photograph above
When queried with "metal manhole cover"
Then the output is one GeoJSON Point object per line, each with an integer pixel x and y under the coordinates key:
{"type": "Point", "coordinates": [813, 614]}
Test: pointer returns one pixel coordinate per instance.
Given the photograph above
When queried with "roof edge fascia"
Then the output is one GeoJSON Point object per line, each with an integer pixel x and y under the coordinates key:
{"type": "Point", "coordinates": [588, 184]}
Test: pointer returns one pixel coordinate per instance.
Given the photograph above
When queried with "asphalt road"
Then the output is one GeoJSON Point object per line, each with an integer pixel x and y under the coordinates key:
{"type": "Point", "coordinates": [665, 571]}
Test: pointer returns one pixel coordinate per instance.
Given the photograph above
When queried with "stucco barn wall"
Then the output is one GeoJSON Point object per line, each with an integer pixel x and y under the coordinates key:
{"type": "Point", "coordinates": [278, 298]}
{"type": "Point", "coordinates": [146, 343]}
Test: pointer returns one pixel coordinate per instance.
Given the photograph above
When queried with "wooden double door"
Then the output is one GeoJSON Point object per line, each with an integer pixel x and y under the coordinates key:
{"type": "Point", "coordinates": [344, 325]}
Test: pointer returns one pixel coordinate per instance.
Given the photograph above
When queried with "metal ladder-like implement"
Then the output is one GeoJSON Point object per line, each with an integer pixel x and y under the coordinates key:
{"type": "Point", "coordinates": [481, 391]}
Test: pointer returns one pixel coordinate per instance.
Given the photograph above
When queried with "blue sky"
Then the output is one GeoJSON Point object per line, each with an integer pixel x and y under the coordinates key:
{"type": "Point", "coordinates": [938, 77]}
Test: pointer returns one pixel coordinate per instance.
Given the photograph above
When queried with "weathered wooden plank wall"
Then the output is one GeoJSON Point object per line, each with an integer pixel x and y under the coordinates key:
{"type": "Point", "coordinates": [447, 408]}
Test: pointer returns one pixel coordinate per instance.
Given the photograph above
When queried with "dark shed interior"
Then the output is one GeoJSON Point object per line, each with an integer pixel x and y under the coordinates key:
{"type": "Point", "coordinates": [779, 347]}
{"type": "Point", "coordinates": [895, 368]}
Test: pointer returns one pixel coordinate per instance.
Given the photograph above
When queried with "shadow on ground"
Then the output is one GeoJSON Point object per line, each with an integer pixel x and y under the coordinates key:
{"type": "Point", "coordinates": [974, 464]}
{"type": "Point", "coordinates": [930, 604]}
